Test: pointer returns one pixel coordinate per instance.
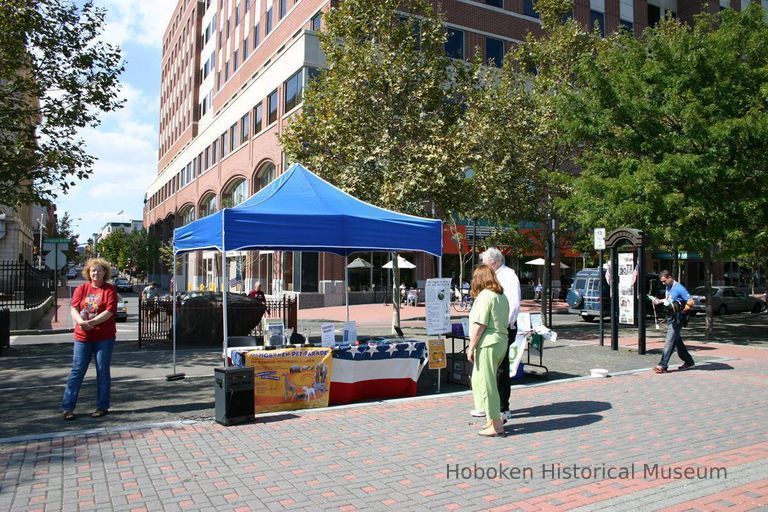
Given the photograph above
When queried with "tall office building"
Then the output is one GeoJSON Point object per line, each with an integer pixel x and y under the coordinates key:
{"type": "Point", "coordinates": [233, 72]}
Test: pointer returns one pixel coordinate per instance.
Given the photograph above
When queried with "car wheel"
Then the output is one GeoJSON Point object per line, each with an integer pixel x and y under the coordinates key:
{"type": "Point", "coordinates": [757, 308]}
{"type": "Point", "coordinates": [588, 318]}
{"type": "Point", "coordinates": [722, 310]}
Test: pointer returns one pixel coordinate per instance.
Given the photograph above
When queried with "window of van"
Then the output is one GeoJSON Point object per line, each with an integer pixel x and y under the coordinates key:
{"type": "Point", "coordinates": [579, 284]}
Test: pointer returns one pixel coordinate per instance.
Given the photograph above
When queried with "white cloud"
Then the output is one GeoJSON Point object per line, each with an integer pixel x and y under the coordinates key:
{"type": "Point", "coordinates": [143, 23]}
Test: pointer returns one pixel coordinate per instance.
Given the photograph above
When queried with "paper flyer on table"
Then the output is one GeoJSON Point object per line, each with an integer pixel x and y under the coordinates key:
{"type": "Point", "coordinates": [328, 335]}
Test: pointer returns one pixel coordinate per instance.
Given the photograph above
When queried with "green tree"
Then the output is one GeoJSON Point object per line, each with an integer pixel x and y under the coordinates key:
{"type": "Point", "coordinates": [676, 125]}
{"type": "Point", "coordinates": [144, 251]}
{"type": "Point", "coordinates": [381, 122]}
{"type": "Point", "coordinates": [522, 151]}
{"type": "Point", "coordinates": [56, 78]}
{"type": "Point", "coordinates": [115, 248]}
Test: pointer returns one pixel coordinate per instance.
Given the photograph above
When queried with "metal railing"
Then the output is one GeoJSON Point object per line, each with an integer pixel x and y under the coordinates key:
{"type": "Point", "coordinates": [199, 321]}
{"type": "Point", "coordinates": [23, 286]}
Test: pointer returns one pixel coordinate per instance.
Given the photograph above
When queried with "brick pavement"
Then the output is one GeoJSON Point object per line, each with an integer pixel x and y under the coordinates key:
{"type": "Point", "coordinates": [397, 455]}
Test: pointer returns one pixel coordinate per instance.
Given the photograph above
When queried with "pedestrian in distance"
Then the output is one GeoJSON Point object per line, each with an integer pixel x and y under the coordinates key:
{"type": "Point", "coordinates": [678, 302]}
{"type": "Point", "coordinates": [94, 304]}
{"type": "Point", "coordinates": [509, 281]}
{"type": "Point", "coordinates": [488, 322]}
{"type": "Point", "coordinates": [150, 291]}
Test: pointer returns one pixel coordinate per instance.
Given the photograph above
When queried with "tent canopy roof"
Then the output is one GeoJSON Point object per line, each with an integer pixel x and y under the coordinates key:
{"type": "Point", "coordinates": [300, 211]}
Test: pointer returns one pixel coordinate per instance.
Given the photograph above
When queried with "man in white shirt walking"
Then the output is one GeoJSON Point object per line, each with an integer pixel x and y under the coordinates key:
{"type": "Point", "coordinates": [511, 284]}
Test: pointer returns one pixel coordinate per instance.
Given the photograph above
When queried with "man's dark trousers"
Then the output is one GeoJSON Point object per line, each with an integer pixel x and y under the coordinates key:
{"type": "Point", "coordinates": [502, 374]}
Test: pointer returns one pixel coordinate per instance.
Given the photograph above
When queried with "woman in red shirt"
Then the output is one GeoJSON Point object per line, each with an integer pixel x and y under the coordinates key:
{"type": "Point", "coordinates": [94, 305]}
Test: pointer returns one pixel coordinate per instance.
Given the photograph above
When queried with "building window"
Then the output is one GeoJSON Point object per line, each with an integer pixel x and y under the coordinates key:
{"type": "Point", "coordinates": [234, 62]}
{"type": "Point", "coordinates": [214, 151]}
{"type": "Point", "coordinates": [268, 27]}
{"type": "Point", "coordinates": [255, 36]}
{"type": "Point", "coordinates": [627, 25]}
{"type": "Point", "coordinates": [226, 71]}
{"type": "Point", "coordinates": [245, 126]}
{"type": "Point", "coordinates": [597, 22]}
{"type": "Point", "coordinates": [237, 15]}
{"type": "Point", "coordinates": [293, 88]}
{"type": "Point", "coordinates": [309, 262]}
{"type": "Point", "coordinates": [207, 158]}
{"type": "Point", "coordinates": [232, 132]}
{"type": "Point", "coordinates": [264, 177]}
{"type": "Point", "coordinates": [317, 20]}
{"type": "Point", "coordinates": [654, 15]}
{"type": "Point", "coordinates": [494, 51]}
{"type": "Point", "coordinates": [528, 9]}
{"type": "Point", "coordinates": [245, 48]}
{"type": "Point", "coordinates": [283, 8]}
{"type": "Point", "coordinates": [208, 205]}
{"type": "Point", "coordinates": [495, 3]}
{"type": "Point", "coordinates": [272, 107]}
{"type": "Point", "coordinates": [235, 194]}
{"type": "Point", "coordinates": [223, 144]}
{"type": "Point", "coordinates": [257, 118]}
{"type": "Point", "coordinates": [454, 46]}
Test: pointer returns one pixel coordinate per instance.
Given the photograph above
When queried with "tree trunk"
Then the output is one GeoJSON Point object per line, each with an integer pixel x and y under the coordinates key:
{"type": "Point", "coordinates": [709, 320]}
{"type": "Point", "coordinates": [395, 293]}
{"type": "Point", "coordinates": [675, 270]}
{"type": "Point", "coordinates": [545, 293]}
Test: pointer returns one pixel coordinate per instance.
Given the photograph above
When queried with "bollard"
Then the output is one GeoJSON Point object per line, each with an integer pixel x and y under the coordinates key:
{"type": "Point", "coordinates": [5, 329]}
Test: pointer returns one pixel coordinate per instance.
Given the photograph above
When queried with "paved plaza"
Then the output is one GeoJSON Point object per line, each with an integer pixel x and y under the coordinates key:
{"type": "Point", "coordinates": [686, 440]}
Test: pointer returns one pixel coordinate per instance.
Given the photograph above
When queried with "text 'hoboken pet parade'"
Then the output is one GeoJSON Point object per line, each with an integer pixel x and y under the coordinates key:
{"type": "Point", "coordinates": [579, 472]}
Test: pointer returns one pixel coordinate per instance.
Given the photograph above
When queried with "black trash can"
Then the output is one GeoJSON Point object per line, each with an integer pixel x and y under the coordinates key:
{"type": "Point", "coordinates": [234, 395]}
{"type": "Point", "coordinates": [5, 329]}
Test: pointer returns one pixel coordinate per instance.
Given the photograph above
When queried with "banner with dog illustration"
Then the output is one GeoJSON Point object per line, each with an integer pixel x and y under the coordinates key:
{"type": "Point", "coordinates": [289, 379]}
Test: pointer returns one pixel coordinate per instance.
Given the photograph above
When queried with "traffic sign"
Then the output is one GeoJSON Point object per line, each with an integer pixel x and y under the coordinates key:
{"type": "Point", "coordinates": [55, 259]}
{"type": "Point", "coordinates": [599, 239]}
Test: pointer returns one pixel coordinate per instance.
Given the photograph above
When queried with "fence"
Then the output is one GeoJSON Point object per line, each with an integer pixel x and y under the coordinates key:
{"type": "Point", "coordinates": [23, 286]}
{"type": "Point", "coordinates": [199, 321]}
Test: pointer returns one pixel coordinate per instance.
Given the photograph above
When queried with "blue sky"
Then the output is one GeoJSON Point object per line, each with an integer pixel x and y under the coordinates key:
{"type": "Point", "coordinates": [125, 144]}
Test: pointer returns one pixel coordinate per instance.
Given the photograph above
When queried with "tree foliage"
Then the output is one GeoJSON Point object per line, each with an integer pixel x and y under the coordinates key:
{"type": "Point", "coordinates": [676, 126]}
{"type": "Point", "coordinates": [381, 121]}
{"type": "Point", "coordinates": [135, 250]}
{"type": "Point", "coordinates": [56, 78]}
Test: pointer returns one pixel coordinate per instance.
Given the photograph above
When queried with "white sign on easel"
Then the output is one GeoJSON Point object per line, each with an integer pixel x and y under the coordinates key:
{"type": "Point", "coordinates": [328, 335]}
{"type": "Point", "coordinates": [437, 296]}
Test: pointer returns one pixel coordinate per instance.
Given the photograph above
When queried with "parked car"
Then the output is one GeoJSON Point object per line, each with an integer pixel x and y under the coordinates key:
{"type": "Point", "coordinates": [122, 284]}
{"type": "Point", "coordinates": [584, 296]}
{"type": "Point", "coordinates": [725, 299]}
{"type": "Point", "coordinates": [122, 309]}
{"type": "Point", "coordinates": [71, 273]}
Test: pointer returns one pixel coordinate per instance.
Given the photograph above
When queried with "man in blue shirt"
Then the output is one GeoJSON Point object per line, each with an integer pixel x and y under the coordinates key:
{"type": "Point", "coordinates": [678, 299]}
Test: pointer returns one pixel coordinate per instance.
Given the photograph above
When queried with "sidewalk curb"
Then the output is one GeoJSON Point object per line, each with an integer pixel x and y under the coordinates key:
{"type": "Point", "coordinates": [38, 332]}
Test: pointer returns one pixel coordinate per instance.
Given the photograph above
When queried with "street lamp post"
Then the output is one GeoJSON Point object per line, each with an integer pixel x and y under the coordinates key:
{"type": "Point", "coordinates": [40, 254]}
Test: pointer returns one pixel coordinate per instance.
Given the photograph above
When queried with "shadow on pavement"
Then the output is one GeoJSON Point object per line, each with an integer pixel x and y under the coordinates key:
{"type": "Point", "coordinates": [553, 424]}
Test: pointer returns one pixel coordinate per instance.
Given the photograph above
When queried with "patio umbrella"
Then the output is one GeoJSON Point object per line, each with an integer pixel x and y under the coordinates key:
{"type": "Point", "coordinates": [359, 263]}
{"type": "Point", "coordinates": [401, 263]}
{"type": "Point", "coordinates": [540, 263]}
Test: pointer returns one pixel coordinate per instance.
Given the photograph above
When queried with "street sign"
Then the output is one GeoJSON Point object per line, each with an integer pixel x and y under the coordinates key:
{"type": "Point", "coordinates": [56, 240]}
{"type": "Point", "coordinates": [55, 259]}
{"type": "Point", "coordinates": [599, 239]}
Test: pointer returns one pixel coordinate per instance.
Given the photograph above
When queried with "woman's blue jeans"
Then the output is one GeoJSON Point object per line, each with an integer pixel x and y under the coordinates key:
{"type": "Point", "coordinates": [82, 354]}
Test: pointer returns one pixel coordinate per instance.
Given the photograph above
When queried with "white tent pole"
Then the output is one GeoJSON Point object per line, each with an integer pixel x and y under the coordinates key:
{"type": "Point", "coordinates": [224, 286]}
{"type": "Point", "coordinates": [346, 282]}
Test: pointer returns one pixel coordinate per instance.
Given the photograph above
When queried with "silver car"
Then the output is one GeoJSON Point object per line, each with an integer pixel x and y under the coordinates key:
{"type": "Point", "coordinates": [725, 299]}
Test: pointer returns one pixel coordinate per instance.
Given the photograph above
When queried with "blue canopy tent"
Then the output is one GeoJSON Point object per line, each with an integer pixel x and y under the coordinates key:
{"type": "Point", "coordinates": [299, 211]}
